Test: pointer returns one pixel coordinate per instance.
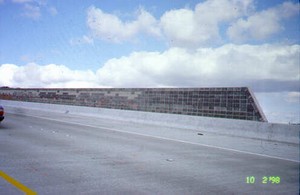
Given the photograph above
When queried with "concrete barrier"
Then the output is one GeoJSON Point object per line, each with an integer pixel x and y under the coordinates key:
{"type": "Point", "coordinates": [250, 129]}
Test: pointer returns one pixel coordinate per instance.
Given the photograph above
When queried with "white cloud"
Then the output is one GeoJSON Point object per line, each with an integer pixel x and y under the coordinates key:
{"type": "Point", "coordinates": [39, 2]}
{"type": "Point", "coordinates": [262, 25]}
{"type": "Point", "coordinates": [202, 26]}
{"type": "Point", "coordinates": [32, 11]}
{"type": "Point", "coordinates": [227, 65]}
{"type": "Point", "coordinates": [181, 27]}
{"type": "Point", "coordinates": [109, 27]}
{"type": "Point", "coordinates": [52, 10]}
{"type": "Point", "coordinates": [7, 72]}
{"type": "Point", "coordinates": [22, 1]}
{"type": "Point", "coordinates": [83, 40]}
{"type": "Point", "coordinates": [288, 9]}
{"type": "Point", "coordinates": [194, 28]}
{"type": "Point", "coordinates": [293, 97]}
{"type": "Point", "coordinates": [33, 75]}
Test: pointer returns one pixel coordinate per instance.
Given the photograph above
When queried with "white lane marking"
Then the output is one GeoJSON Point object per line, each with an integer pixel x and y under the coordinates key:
{"type": "Point", "coordinates": [167, 139]}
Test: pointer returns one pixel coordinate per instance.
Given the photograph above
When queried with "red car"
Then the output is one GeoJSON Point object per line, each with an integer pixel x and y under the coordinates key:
{"type": "Point", "coordinates": [1, 113]}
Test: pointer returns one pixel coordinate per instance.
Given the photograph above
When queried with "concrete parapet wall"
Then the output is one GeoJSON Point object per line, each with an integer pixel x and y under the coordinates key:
{"type": "Point", "coordinates": [249, 129]}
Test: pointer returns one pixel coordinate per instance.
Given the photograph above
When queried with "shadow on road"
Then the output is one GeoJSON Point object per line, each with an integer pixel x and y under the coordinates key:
{"type": "Point", "coordinates": [5, 125]}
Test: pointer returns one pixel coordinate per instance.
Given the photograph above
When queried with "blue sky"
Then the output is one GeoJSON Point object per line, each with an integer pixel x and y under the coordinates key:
{"type": "Point", "coordinates": [171, 43]}
{"type": "Point", "coordinates": [47, 38]}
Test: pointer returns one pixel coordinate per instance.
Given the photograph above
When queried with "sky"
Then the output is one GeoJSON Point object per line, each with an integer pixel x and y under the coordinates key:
{"type": "Point", "coordinates": [170, 43]}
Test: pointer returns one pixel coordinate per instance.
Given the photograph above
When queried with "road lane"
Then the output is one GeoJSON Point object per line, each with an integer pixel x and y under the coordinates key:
{"type": "Point", "coordinates": [263, 147]}
{"type": "Point", "coordinates": [63, 158]}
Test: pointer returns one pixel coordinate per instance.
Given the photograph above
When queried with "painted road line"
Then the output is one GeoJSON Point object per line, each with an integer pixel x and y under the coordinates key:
{"type": "Point", "coordinates": [17, 184]}
{"type": "Point", "coordinates": [168, 139]}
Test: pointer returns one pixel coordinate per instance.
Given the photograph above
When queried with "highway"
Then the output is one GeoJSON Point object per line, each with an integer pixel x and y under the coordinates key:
{"type": "Point", "coordinates": [53, 153]}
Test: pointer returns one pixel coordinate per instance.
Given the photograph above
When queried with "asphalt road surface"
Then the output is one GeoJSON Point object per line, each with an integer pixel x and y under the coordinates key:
{"type": "Point", "coordinates": [68, 154]}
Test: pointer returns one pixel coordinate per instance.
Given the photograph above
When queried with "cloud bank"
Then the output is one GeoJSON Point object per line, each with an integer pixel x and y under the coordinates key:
{"type": "Point", "coordinates": [52, 75]}
{"type": "Point", "coordinates": [228, 65]}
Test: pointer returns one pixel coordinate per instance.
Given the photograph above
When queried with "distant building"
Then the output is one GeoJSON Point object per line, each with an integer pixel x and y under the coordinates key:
{"type": "Point", "coordinates": [233, 102]}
